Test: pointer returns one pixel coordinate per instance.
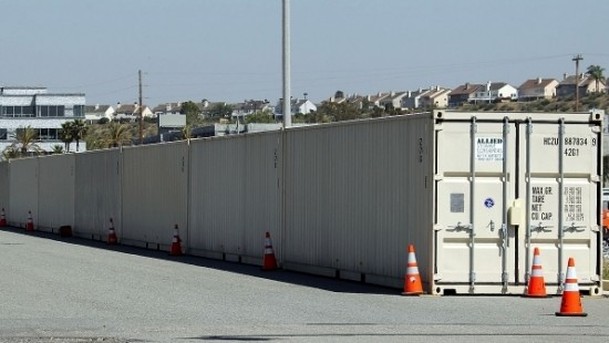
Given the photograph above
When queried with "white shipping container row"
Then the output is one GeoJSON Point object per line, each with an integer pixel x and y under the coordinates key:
{"type": "Point", "coordinates": [4, 187]}
{"type": "Point", "coordinates": [474, 192]}
{"type": "Point", "coordinates": [97, 193]}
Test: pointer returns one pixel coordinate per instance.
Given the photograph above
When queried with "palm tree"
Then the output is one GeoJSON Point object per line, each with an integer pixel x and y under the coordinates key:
{"type": "Point", "coordinates": [57, 149]}
{"type": "Point", "coordinates": [596, 73]}
{"type": "Point", "coordinates": [66, 134]}
{"type": "Point", "coordinates": [10, 152]}
{"type": "Point", "coordinates": [186, 132]}
{"type": "Point", "coordinates": [79, 131]}
{"type": "Point", "coordinates": [117, 135]}
{"type": "Point", "coordinates": [26, 141]}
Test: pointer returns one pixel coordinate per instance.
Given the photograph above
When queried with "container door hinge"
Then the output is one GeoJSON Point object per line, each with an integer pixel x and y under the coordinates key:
{"type": "Point", "coordinates": [438, 227]}
{"type": "Point", "coordinates": [595, 228]}
{"type": "Point", "coordinates": [595, 278]}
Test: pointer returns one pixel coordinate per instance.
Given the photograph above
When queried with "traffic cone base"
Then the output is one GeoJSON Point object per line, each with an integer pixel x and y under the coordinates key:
{"type": "Point", "coordinates": [112, 239]}
{"type": "Point", "coordinates": [269, 262]}
{"type": "Point", "coordinates": [537, 286]}
{"type": "Point", "coordinates": [412, 281]}
{"type": "Point", "coordinates": [29, 226]}
{"type": "Point", "coordinates": [176, 246]}
{"type": "Point", "coordinates": [571, 303]}
{"type": "Point", "coordinates": [2, 218]}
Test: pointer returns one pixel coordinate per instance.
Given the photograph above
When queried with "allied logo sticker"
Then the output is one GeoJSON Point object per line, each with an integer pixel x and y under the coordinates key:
{"type": "Point", "coordinates": [489, 202]}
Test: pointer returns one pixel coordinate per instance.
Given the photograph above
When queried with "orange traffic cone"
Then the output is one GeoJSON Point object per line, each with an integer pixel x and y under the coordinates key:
{"type": "Point", "coordinates": [29, 226]}
{"type": "Point", "coordinates": [537, 284]}
{"type": "Point", "coordinates": [571, 304]}
{"type": "Point", "coordinates": [412, 281]}
{"type": "Point", "coordinates": [2, 218]}
{"type": "Point", "coordinates": [269, 262]}
{"type": "Point", "coordinates": [176, 246]}
{"type": "Point", "coordinates": [112, 239]}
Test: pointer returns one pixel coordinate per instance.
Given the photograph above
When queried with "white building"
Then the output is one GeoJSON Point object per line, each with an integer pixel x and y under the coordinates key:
{"type": "Point", "coordinates": [495, 92]}
{"type": "Point", "coordinates": [21, 107]}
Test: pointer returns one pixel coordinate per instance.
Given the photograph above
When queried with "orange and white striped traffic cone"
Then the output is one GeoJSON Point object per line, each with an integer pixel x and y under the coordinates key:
{"type": "Point", "coordinates": [29, 226]}
{"type": "Point", "coordinates": [2, 218]}
{"type": "Point", "coordinates": [176, 244]}
{"type": "Point", "coordinates": [269, 261]}
{"type": "Point", "coordinates": [537, 285]}
{"type": "Point", "coordinates": [112, 239]}
{"type": "Point", "coordinates": [571, 303]}
{"type": "Point", "coordinates": [412, 281]}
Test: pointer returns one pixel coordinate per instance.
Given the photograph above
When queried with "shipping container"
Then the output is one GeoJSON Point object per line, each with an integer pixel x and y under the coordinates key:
{"type": "Point", "coordinates": [475, 193]}
{"type": "Point", "coordinates": [507, 183]}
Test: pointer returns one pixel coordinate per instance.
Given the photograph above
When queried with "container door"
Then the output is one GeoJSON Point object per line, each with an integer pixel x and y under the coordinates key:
{"type": "Point", "coordinates": [560, 183]}
{"type": "Point", "coordinates": [475, 186]}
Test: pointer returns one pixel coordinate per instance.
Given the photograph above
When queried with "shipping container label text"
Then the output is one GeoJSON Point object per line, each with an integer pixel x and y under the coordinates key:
{"type": "Point", "coordinates": [573, 204]}
{"type": "Point", "coordinates": [571, 144]}
{"type": "Point", "coordinates": [489, 149]}
{"type": "Point", "coordinates": [538, 200]}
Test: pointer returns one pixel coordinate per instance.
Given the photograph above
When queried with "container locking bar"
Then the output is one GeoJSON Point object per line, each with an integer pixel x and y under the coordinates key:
{"type": "Point", "coordinates": [460, 227]}
{"type": "Point", "coordinates": [541, 228]}
{"type": "Point", "coordinates": [574, 228]}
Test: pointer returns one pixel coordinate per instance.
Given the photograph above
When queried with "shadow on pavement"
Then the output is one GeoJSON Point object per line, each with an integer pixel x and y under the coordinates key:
{"type": "Point", "coordinates": [291, 277]}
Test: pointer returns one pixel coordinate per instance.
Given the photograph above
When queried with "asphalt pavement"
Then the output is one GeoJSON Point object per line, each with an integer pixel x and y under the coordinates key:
{"type": "Point", "coordinates": [73, 290]}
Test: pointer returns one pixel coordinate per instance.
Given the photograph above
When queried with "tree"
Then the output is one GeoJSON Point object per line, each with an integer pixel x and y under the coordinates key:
{"type": "Point", "coordinates": [596, 73]}
{"type": "Point", "coordinates": [220, 110]}
{"type": "Point", "coordinates": [192, 112]}
{"type": "Point", "coordinates": [186, 132]}
{"type": "Point", "coordinates": [66, 135]}
{"type": "Point", "coordinates": [338, 112]}
{"type": "Point", "coordinates": [260, 117]}
{"type": "Point", "coordinates": [25, 142]}
{"type": "Point", "coordinates": [79, 131]}
{"type": "Point", "coordinates": [117, 135]}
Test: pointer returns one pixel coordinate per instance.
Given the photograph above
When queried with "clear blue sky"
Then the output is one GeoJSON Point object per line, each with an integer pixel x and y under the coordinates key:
{"type": "Point", "coordinates": [230, 50]}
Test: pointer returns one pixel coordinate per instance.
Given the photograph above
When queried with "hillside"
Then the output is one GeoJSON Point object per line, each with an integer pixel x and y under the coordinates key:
{"type": "Point", "coordinates": [587, 102]}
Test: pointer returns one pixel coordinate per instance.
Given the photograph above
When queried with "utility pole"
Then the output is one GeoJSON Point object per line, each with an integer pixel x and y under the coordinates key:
{"type": "Point", "coordinates": [141, 109]}
{"type": "Point", "coordinates": [577, 59]}
{"type": "Point", "coordinates": [287, 98]}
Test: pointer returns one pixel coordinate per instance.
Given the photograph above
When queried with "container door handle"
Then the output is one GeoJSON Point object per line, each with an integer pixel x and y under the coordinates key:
{"type": "Point", "coordinates": [541, 228]}
{"type": "Point", "coordinates": [574, 228]}
{"type": "Point", "coordinates": [460, 227]}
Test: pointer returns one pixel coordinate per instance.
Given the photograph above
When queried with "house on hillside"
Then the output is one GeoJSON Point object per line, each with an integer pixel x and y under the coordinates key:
{"type": "Point", "coordinates": [131, 112]}
{"type": "Point", "coordinates": [298, 106]}
{"type": "Point", "coordinates": [436, 97]}
{"type": "Point", "coordinates": [534, 89]}
{"type": "Point", "coordinates": [494, 92]}
{"type": "Point", "coordinates": [248, 107]}
{"type": "Point", "coordinates": [585, 83]}
{"type": "Point", "coordinates": [462, 94]}
{"type": "Point", "coordinates": [94, 113]}
{"type": "Point", "coordinates": [374, 100]}
{"type": "Point", "coordinates": [413, 98]}
{"type": "Point", "coordinates": [45, 112]}
{"type": "Point", "coordinates": [393, 100]}
{"type": "Point", "coordinates": [167, 108]}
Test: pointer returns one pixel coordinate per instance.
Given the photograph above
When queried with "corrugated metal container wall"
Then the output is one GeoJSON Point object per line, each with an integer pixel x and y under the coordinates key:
{"type": "Point", "coordinates": [97, 193]}
{"type": "Point", "coordinates": [154, 189]}
{"type": "Point", "coordinates": [234, 195]}
{"type": "Point", "coordinates": [23, 189]}
{"type": "Point", "coordinates": [55, 192]}
{"type": "Point", "coordinates": [4, 186]}
{"type": "Point", "coordinates": [357, 194]}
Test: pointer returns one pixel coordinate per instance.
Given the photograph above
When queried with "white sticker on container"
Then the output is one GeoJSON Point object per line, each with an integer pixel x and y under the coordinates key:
{"type": "Point", "coordinates": [489, 149]}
